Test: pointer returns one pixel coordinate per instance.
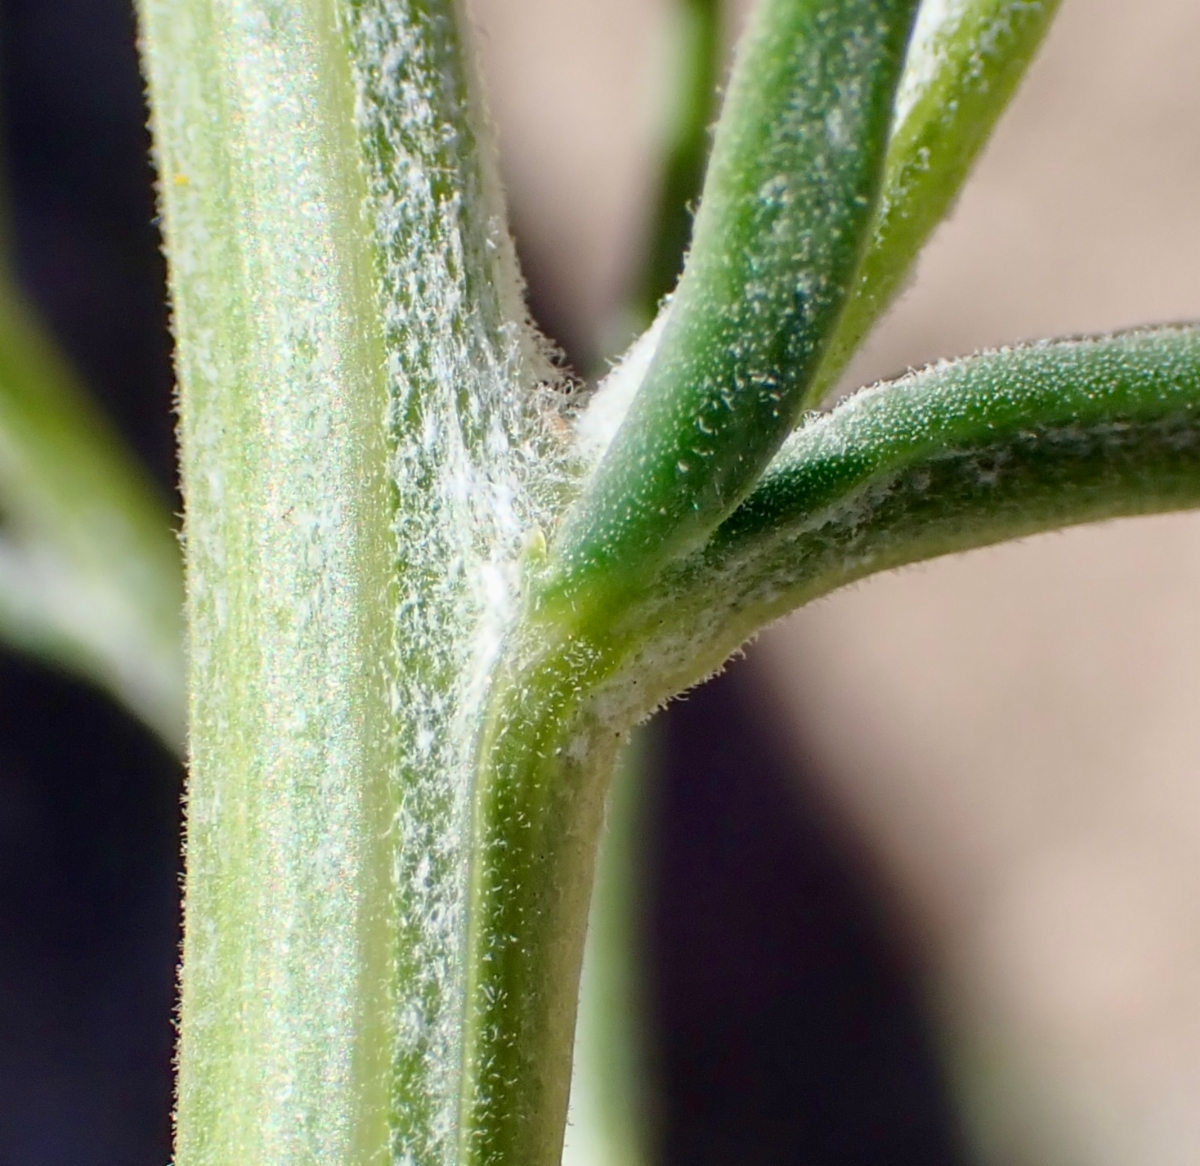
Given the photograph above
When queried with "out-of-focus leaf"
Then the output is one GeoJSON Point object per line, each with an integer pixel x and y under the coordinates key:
{"type": "Point", "coordinates": [90, 570]}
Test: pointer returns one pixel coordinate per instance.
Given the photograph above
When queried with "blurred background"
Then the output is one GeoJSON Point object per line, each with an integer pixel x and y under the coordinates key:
{"type": "Point", "coordinates": [925, 873]}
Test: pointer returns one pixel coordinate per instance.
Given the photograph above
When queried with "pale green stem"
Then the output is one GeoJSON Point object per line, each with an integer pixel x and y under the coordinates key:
{"type": "Point", "coordinates": [288, 1002]}
{"type": "Point", "coordinates": [370, 436]}
{"type": "Point", "coordinates": [480, 468]}
{"type": "Point", "coordinates": [612, 1110]}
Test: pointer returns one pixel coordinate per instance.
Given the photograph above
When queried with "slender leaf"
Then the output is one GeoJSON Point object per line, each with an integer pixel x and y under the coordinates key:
{"type": "Point", "coordinates": [89, 566]}
{"type": "Point", "coordinates": [967, 58]}
{"type": "Point", "coordinates": [796, 168]}
{"type": "Point", "coordinates": [960, 455]}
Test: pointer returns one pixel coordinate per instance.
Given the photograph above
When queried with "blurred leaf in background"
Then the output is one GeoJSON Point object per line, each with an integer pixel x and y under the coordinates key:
{"type": "Point", "coordinates": [89, 799]}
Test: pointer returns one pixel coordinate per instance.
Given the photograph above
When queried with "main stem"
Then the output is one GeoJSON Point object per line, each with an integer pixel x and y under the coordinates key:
{"type": "Point", "coordinates": [287, 999]}
{"type": "Point", "coordinates": [370, 436]}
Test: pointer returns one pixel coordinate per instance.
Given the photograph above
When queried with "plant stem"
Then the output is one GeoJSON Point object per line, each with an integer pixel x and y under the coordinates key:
{"type": "Point", "coordinates": [404, 712]}
{"type": "Point", "coordinates": [546, 759]}
{"type": "Point", "coordinates": [287, 1013]}
{"type": "Point", "coordinates": [370, 436]}
{"type": "Point", "coordinates": [480, 468]}
{"type": "Point", "coordinates": [960, 455]}
{"type": "Point", "coordinates": [694, 105]}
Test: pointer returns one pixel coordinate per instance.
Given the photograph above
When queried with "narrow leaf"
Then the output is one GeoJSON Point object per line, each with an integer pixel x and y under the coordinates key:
{"type": "Point", "coordinates": [960, 455]}
{"type": "Point", "coordinates": [89, 567]}
{"type": "Point", "coordinates": [966, 60]}
{"type": "Point", "coordinates": [796, 168]}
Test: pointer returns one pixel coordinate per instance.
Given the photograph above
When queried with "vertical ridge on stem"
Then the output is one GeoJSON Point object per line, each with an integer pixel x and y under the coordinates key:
{"type": "Point", "coordinates": [478, 466]}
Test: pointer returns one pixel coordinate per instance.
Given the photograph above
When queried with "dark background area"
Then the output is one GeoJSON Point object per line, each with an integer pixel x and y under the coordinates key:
{"type": "Point", "coordinates": [786, 1027]}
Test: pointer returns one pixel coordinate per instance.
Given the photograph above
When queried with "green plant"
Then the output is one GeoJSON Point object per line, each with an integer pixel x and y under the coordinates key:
{"type": "Point", "coordinates": [429, 594]}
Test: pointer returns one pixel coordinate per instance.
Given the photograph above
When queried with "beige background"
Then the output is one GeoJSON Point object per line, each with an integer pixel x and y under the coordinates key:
{"type": "Point", "coordinates": [1017, 732]}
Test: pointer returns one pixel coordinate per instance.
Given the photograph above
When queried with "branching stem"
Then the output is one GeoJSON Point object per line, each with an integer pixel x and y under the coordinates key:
{"type": "Point", "coordinates": [960, 455]}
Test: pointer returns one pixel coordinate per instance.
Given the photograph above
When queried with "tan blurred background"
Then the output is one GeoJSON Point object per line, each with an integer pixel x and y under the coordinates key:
{"type": "Point", "coordinates": [1015, 732]}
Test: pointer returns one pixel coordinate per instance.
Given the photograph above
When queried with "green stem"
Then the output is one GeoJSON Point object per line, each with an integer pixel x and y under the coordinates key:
{"type": "Point", "coordinates": [698, 51]}
{"type": "Point", "coordinates": [287, 1012]}
{"type": "Point", "coordinates": [370, 436]}
{"type": "Point", "coordinates": [960, 455]}
{"type": "Point", "coordinates": [479, 469]}
{"type": "Point", "coordinates": [547, 756]}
